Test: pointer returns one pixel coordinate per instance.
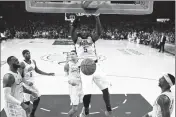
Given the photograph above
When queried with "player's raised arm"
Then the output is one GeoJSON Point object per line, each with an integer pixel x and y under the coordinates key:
{"type": "Point", "coordinates": [96, 35]}
{"type": "Point", "coordinates": [73, 27]}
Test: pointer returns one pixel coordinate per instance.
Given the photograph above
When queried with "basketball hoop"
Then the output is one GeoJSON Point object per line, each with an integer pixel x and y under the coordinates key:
{"type": "Point", "coordinates": [72, 18]}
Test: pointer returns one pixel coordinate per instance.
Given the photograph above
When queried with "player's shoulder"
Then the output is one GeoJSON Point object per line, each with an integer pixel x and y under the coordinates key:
{"type": "Point", "coordinates": [66, 67]}
{"type": "Point", "coordinates": [33, 61]}
{"type": "Point", "coordinates": [22, 64]}
{"type": "Point", "coordinates": [164, 99]}
{"type": "Point", "coordinates": [8, 80]}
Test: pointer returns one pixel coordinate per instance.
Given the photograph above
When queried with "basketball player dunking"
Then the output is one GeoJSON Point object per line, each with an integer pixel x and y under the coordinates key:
{"type": "Point", "coordinates": [72, 69]}
{"type": "Point", "coordinates": [14, 90]}
{"type": "Point", "coordinates": [28, 67]}
{"type": "Point", "coordinates": [164, 104]}
{"type": "Point", "coordinates": [85, 48]}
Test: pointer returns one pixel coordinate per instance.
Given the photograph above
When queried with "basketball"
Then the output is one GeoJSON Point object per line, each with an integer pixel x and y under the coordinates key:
{"type": "Point", "coordinates": [88, 66]}
{"type": "Point", "coordinates": [90, 5]}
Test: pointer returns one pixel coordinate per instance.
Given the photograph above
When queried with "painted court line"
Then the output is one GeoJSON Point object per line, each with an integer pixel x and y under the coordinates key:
{"type": "Point", "coordinates": [45, 109]}
{"type": "Point", "coordinates": [94, 113]}
{"type": "Point", "coordinates": [127, 113]}
{"type": "Point", "coordinates": [124, 101]}
{"type": "Point", "coordinates": [64, 113]}
{"type": "Point", "coordinates": [115, 108]}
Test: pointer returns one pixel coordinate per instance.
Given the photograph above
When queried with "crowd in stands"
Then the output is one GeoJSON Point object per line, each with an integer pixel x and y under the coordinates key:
{"type": "Point", "coordinates": [147, 33]}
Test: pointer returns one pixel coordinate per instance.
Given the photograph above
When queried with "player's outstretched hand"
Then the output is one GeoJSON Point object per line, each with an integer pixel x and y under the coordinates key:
{"type": "Point", "coordinates": [25, 107]}
{"type": "Point", "coordinates": [51, 74]}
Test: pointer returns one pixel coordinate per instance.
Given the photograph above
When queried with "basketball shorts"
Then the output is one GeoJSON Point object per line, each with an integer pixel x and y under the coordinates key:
{"type": "Point", "coordinates": [33, 88]}
{"type": "Point", "coordinates": [76, 94]}
{"type": "Point", "coordinates": [98, 78]}
{"type": "Point", "coordinates": [14, 110]}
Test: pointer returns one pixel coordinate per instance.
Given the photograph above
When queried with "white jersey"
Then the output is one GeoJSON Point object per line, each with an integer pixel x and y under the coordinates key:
{"type": "Point", "coordinates": [74, 71]}
{"type": "Point", "coordinates": [75, 92]}
{"type": "Point", "coordinates": [28, 74]}
{"type": "Point", "coordinates": [156, 107]}
{"type": "Point", "coordinates": [85, 48]}
{"type": "Point", "coordinates": [17, 87]}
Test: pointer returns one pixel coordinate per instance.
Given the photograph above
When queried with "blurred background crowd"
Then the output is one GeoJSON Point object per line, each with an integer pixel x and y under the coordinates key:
{"type": "Point", "coordinates": [143, 29]}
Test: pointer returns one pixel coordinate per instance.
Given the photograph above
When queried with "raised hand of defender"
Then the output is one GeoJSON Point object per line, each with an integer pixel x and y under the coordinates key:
{"type": "Point", "coordinates": [25, 107]}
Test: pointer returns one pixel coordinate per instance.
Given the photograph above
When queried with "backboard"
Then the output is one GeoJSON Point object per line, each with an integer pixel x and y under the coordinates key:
{"type": "Point", "coordinates": [106, 7]}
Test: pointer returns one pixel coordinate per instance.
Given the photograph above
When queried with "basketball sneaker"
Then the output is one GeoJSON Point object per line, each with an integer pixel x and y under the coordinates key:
{"type": "Point", "coordinates": [83, 115]}
{"type": "Point", "coordinates": [109, 114]}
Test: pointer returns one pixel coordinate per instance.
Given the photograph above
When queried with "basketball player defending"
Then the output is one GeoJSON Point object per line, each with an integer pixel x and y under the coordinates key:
{"type": "Point", "coordinates": [14, 90]}
{"type": "Point", "coordinates": [72, 70]}
{"type": "Point", "coordinates": [28, 67]}
{"type": "Point", "coordinates": [164, 104]}
{"type": "Point", "coordinates": [85, 48]}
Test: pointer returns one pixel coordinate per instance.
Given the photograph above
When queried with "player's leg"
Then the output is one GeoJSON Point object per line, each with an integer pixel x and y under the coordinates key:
{"type": "Point", "coordinates": [73, 110]}
{"type": "Point", "coordinates": [75, 96]}
{"type": "Point", "coordinates": [27, 97]}
{"type": "Point", "coordinates": [86, 103]}
{"type": "Point", "coordinates": [103, 85]}
{"type": "Point", "coordinates": [74, 105]}
{"type": "Point", "coordinates": [36, 100]}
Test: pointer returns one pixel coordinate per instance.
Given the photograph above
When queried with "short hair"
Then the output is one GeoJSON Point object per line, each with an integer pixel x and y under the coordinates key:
{"type": "Point", "coordinates": [74, 51]}
{"type": "Point", "coordinates": [172, 78]}
{"type": "Point", "coordinates": [9, 59]}
{"type": "Point", "coordinates": [25, 51]}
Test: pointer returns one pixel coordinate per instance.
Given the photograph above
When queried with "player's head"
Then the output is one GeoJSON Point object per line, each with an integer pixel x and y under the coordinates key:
{"type": "Point", "coordinates": [167, 81]}
{"type": "Point", "coordinates": [26, 54]}
{"type": "Point", "coordinates": [84, 32]}
{"type": "Point", "coordinates": [73, 55]}
{"type": "Point", "coordinates": [13, 62]}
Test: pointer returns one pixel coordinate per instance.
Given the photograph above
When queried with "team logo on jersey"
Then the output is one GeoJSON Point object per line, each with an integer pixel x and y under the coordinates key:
{"type": "Point", "coordinates": [85, 42]}
{"type": "Point", "coordinates": [74, 68]}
